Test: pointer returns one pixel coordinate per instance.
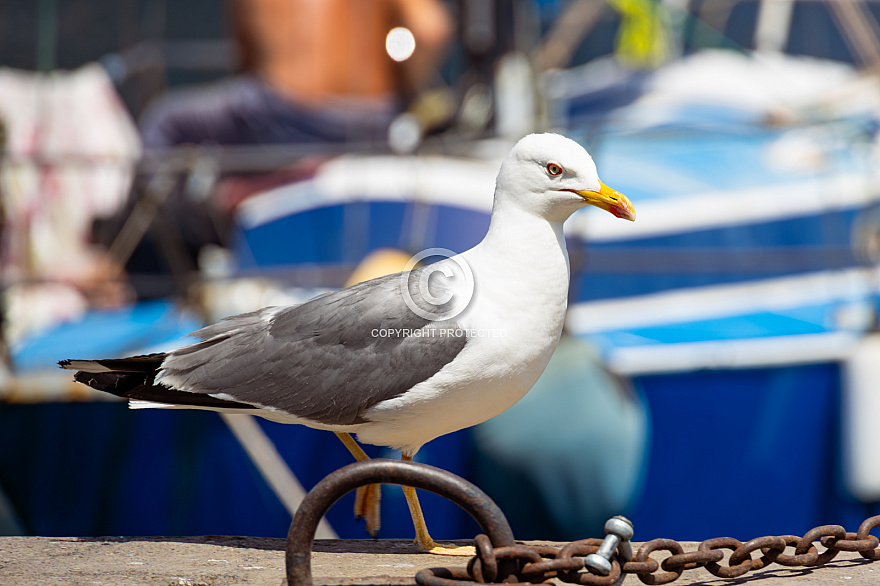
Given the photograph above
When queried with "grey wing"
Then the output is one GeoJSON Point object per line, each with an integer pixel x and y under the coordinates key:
{"type": "Point", "coordinates": [327, 360]}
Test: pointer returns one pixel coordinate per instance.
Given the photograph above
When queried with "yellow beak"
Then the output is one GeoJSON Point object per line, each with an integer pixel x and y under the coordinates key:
{"type": "Point", "coordinates": [610, 200]}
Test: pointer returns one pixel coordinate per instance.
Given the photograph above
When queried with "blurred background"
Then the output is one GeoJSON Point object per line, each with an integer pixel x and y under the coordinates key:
{"type": "Point", "coordinates": [165, 164]}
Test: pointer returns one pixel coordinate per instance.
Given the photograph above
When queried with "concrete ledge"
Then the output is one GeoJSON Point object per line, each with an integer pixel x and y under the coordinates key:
{"type": "Point", "coordinates": [215, 561]}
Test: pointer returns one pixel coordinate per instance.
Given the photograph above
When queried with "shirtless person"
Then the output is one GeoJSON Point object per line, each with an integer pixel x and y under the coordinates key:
{"type": "Point", "coordinates": [314, 71]}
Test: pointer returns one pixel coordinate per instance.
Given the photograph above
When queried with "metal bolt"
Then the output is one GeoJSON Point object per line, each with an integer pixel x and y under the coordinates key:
{"type": "Point", "coordinates": [619, 530]}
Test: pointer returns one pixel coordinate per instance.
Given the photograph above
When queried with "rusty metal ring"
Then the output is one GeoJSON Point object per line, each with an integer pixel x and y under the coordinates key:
{"type": "Point", "coordinates": [548, 568]}
{"type": "Point", "coordinates": [731, 571]}
{"type": "Point", "coordinates": [516, 553]}
{"type": "Point", "coordinates": [805, 559]}
{"type": "Point", "coordinates": [483, 566]}
{"type": "Point", "coordinates": [456, 576]}
{"type": "Point", "coordinates": [546, 551]}
{"type": "Point", "coordinates": [851, 542]}
{"type": "Point", "coordinates": [301, 535]}
{"type": "Point", "coordinates": [586, 578]}
{"type": "Point", "coordinates": [765, 544]}
{"type": "Point", "coordinates": [545, 563]}
{"type": "Point", "coordinates": [581, 548]}
{"type": "Point", "coordinates": [444, 577]}
{"type": "Point", "coordinates": [647, 567]}
{"type": "Point", "coordinates": [744, 552]}
{"type": "Point", "coordinates": [864, 532]}
{"type": "Point", "coordinates": [692, 559]}
{"type": "Point", "coordinates": [817, 533]}
{"type": "Point", "coordinates": [644, 552]}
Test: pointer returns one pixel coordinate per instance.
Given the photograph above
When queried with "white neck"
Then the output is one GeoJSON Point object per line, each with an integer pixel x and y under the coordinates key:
{"type": "Point", "coordinates": [523, 257]}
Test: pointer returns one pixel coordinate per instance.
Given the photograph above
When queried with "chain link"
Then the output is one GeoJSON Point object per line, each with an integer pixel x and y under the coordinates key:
{"type": "Point", "coordinates": [536, 564]}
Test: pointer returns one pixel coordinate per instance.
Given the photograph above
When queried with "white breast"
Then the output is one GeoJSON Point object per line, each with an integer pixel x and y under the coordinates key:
{"type": "Point", "coordinates": [513, 324]}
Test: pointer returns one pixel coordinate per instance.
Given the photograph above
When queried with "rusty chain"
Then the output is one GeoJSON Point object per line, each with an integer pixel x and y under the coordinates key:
{"type": "Point", "coordinates": [537, 564]}
{"type": "Point", "coordinates": [500, 559]}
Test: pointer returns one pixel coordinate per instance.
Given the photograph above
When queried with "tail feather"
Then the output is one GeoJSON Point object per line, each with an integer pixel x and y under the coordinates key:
{"type": "Point", "coordinates": [134, 378]}
{"type": "Point", "coordinates": [144, 363]}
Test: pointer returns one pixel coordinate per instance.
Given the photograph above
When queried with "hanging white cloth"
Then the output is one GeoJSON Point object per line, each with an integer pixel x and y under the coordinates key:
{"type": "Point", "coordinates": [71, 147]}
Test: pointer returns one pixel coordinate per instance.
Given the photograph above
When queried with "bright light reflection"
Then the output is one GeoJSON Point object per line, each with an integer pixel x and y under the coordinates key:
{"type": "Point", "coordinates": [400, 43]}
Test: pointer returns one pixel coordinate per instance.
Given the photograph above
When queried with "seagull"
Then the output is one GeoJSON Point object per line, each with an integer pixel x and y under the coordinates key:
{"type": "Point", "coordinates": [401, 359]}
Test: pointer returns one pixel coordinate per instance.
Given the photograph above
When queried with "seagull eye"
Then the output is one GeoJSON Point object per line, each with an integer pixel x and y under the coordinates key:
{"type": "Point", "coordinates": [554, 169]}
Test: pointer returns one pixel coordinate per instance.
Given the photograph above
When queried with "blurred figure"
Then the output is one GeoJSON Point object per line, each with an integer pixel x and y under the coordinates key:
{"type": "Point", "coordinates": [313, 71]}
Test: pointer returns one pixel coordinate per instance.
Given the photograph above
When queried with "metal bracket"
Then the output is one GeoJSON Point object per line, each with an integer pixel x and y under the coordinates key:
{"type": "Point", "coordinates": [301, 536]}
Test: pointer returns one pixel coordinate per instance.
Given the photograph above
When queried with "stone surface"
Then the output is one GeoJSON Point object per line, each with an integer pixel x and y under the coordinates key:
{"type": "Point", "coordinates": [210, 561]}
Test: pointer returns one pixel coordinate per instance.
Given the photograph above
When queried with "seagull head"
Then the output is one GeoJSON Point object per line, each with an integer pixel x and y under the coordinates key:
{"type": "Point", "coordinates": [553, 176]}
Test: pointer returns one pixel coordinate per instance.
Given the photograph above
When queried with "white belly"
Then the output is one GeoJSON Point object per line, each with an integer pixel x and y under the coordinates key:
{"type": "Point", "coordinates": [515, 317]}
{"type": "Point", "coordinates": [495, 370]}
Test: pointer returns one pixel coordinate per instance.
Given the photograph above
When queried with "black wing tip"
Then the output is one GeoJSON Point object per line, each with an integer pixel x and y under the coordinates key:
{"type": "Point", "coordinates": [77, 364]}
{"type": "Point", "coordinates": [130, 365]}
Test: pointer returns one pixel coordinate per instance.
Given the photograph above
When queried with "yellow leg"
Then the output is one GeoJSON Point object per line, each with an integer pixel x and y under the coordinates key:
{"type": "Point", "coordinates": [367, 498]}
{"type": "Point", "coordinates": [358, 452]}
{"type": "Point", "coordinates": [423, 540]}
